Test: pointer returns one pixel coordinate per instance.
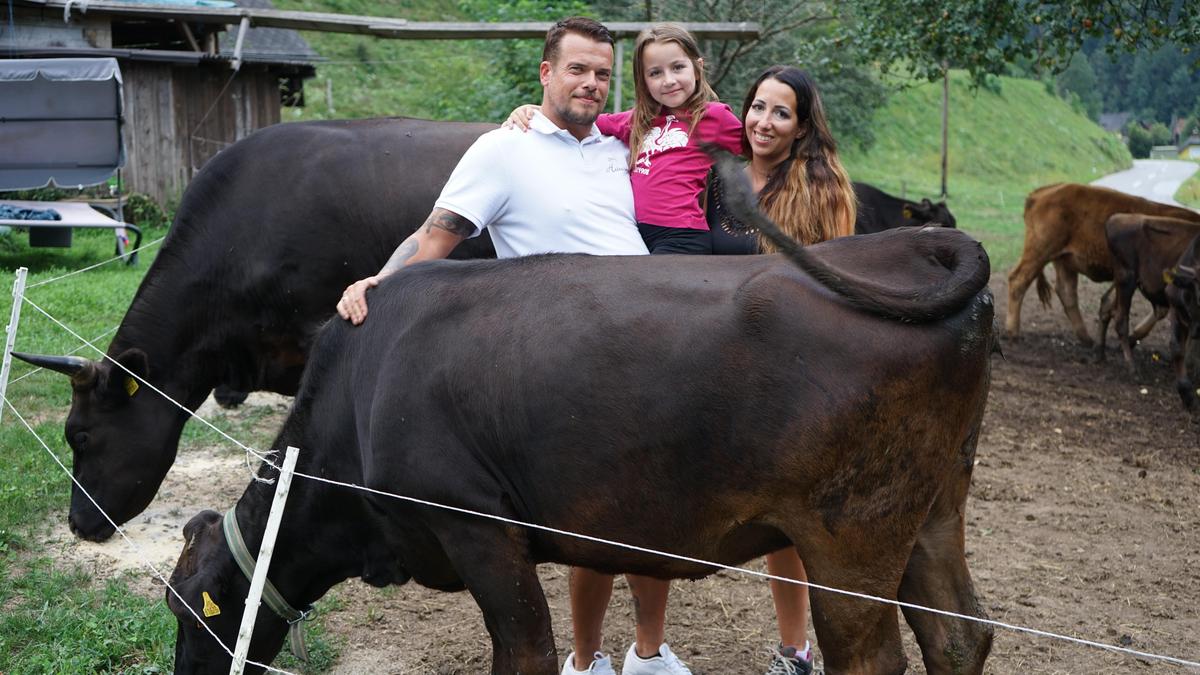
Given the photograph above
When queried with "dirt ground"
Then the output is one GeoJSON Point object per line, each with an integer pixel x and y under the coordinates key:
{"type": "Point", "coordinates": [1084, 520]}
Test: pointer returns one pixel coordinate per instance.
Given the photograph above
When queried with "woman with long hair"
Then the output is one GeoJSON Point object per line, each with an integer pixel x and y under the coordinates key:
{"type": "Point", "coordinates": [793, 166]}
{"type": "Point", "coordinates": [803, 187]}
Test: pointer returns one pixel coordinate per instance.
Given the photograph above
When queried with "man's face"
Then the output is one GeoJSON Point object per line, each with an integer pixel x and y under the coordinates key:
{"type": "Point", "coordinates": [575, 84]}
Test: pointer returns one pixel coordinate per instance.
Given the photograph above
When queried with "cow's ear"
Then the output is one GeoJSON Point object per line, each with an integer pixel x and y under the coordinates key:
{"type": "Point", "coordinates": [123, 378]}
{"type": "Point", "coordinates": [191, 578]}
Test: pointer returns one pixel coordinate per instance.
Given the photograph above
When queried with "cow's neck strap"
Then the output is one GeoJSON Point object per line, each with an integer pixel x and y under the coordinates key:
{"type": "Point", "coordinates": [270, 595]}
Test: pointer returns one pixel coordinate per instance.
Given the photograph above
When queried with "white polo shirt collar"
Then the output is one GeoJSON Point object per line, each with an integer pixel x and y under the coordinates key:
{"type": "Point", "coordinates": [542, 124]}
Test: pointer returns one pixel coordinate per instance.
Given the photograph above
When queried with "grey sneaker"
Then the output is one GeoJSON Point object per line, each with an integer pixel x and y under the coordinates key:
{"type": "Point", "coordinates": [666, 663]}
{"type": "Point", "coordinates": [785, 661]}
{"type": "Point", "coordinates": [600, 665]}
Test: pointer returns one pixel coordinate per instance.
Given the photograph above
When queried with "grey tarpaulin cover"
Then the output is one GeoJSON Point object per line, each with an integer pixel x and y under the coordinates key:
{"type": "Point", "coordinates": [60, 121]}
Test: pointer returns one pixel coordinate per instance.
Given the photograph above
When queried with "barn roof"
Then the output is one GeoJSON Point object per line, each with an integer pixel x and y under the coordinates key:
{"type": "Point", "coordinates": [269, 44]}
{"type": "Point", "coordinates": [1114, 121]}
{"type": "Point", "coordinates": [159, 36]}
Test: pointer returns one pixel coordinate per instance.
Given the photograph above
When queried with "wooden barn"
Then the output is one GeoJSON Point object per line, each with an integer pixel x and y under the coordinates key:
{"type": "Point", "coordinates": [184, 98]}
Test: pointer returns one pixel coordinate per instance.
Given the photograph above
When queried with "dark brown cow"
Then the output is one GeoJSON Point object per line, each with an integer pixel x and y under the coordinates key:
{"type": "Point", "coordinates": [1184, 296]}
{"type": "Point", "coordinates": [1064, 224]}
{"type": "Point", "coordinates": [1143, 248]}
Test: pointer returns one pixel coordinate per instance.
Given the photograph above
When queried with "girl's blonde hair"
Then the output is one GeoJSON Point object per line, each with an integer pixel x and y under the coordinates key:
{"type": "Point", "coordinates": [809, 194]}
{"type": "Point", "coordinates": [645, 108]}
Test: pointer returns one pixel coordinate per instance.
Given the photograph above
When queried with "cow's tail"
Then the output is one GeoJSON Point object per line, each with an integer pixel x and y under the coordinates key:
{"type": "Point", "coordinates": [965, 258]}
{"type": "Point", "coordinates": [1043, 288]}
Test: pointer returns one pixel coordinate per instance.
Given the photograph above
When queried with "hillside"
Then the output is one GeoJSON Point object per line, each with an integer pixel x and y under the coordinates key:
{"type": "Point", "coordinates": [1002, 145]}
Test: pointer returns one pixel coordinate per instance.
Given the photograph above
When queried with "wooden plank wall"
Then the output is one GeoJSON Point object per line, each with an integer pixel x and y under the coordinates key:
{"type": "Point", "coordinates": [179, 117]}
{"type": "Point", "coordinates": [151, 165]}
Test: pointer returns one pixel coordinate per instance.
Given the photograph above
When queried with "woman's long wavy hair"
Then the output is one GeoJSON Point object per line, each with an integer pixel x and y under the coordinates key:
{"type": "Point", "coordinates": [645, 108]}
{"type": "Point", "coordinates": [809, 194]}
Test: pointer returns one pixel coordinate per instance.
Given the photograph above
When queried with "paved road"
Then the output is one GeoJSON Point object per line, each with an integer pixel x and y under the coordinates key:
{"type": "Point", "coordinates": [1154, 179]}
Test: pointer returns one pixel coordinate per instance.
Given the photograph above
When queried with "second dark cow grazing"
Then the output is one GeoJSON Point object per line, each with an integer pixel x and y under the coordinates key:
{"type": "Point", "coordinates": [1184, 296]}
{"type": "Point", "coordinates": [1143, 249]}
{"type": "Point", "coordinates": [879, 211]}
{"type": "Point", "coordinates": [670, 402]}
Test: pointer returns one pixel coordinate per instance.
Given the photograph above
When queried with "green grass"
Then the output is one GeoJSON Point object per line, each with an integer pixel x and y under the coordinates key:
{"type": "Point", "coordinates": [58, 621]}
{"type": "Point", "coordinates": [1189, 192]}
{"type": "Point", "coordinates": [1002, 146]}
{"type": "Point", "coordinates": [54, 618]}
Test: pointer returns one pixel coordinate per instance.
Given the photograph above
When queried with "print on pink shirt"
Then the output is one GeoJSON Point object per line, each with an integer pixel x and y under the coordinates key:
{"type": "Point", "coordinates": [660, 139]}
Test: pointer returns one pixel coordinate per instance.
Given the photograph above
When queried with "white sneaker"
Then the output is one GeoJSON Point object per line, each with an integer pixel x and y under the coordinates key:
{"type": "Point", "coordinates": [601, 665]}
{"type": "Point", "coordinates": [666, 663]}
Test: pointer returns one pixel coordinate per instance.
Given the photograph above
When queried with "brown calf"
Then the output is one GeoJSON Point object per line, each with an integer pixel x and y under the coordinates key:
{"type": "Point", "coordinates": [1064, 224]}
{"type": "Point", "coordinates": [1143, 248]}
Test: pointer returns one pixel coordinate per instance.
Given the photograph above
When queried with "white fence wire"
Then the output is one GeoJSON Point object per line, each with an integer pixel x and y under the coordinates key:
{"type": "Point", "coordinates": [600, 540]}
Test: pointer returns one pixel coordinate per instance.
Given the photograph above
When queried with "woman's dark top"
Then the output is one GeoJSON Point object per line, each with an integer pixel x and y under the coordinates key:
{"type": "Point", "coordinates": [729, 235]}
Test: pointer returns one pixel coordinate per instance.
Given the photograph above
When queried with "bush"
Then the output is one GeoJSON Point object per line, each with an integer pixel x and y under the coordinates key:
{"type": "Point", "coordinates": [143, 211]}
{"type": "Point", "coordinates": [1140, 141]}
{"type": "Point", "coordinates": [1160, 134]}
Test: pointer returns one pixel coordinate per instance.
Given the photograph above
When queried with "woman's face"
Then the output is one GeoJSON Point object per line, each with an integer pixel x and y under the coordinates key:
{"type": "Point", "coordinates": [771, 122]}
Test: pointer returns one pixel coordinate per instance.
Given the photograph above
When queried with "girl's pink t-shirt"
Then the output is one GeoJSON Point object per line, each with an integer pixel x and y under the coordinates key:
{"type": "Point", "coordinates": [671, 168]}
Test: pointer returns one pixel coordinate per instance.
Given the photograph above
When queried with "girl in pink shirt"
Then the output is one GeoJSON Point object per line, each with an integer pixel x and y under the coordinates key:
{"type": "Point", "coordinates": [675, 112]}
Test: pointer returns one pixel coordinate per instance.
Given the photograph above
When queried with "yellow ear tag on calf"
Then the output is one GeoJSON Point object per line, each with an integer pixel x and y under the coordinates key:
{"type": "Point", "coordinates": [131, 386]}
{"type": "Point", "coordinates": [210, 607]}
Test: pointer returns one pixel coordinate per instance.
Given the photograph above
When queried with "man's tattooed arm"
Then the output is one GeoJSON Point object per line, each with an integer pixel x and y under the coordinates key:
{"type": "Point", "coordinates": [439, 219]}
{"type": "Point", "coordinates": [401, 256]}
{"type": "Point", "coordinates": [450, 222]}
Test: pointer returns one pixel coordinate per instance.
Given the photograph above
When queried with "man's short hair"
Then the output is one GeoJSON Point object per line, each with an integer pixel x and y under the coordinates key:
{"type": "Point", "coordinates": [581, 25]}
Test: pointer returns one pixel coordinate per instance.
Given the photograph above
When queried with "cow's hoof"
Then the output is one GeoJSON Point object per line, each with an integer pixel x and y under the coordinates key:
{"type": "Point", "coordinates": [1087, 343]}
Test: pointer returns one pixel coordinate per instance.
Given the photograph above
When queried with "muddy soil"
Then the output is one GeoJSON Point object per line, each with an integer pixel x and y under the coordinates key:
{"type": "Point", "coordinates": [1084, 520]}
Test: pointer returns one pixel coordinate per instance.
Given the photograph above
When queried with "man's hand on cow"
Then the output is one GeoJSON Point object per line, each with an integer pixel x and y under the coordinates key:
{"type": "Point", "coordinates": [519, 118]}
{"type": "Point", "coordinates": [353, 305]}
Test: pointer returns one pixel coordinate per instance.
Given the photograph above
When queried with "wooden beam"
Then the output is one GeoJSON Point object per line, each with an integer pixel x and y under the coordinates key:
{"type": "Point", "coordinates": [401, 29]}
{"type": "Point", "coordinates": [187, 33]}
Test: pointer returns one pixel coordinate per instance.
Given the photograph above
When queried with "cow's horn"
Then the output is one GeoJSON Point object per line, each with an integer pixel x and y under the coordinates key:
{"type": "Point", "coordinates": [67, 365]}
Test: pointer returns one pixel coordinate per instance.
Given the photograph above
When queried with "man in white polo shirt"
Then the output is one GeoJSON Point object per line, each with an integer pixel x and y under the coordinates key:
{"type": "Point", "coordinates": [562, 189]}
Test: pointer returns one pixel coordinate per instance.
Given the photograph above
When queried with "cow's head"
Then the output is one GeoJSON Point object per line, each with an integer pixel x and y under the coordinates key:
{"type": "Point", "coordinates": [123, 438]}
{"type": "Point", "coordinates": [1183, 277]}
{"type": "Point", "coordinates": [213, 591]}
{"type": "Point", "coordinates": [928, 213]}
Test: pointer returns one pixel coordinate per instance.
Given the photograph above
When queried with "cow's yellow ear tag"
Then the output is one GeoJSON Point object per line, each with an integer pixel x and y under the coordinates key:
{"type": "Point", "coordinates": [131, 386]}
{"type": "Point", "coordinates": [1169, 275]}
{"type": "Point", "coordinates": [907, 212]}
{"type": "Point", "coordinates": [210, 607]}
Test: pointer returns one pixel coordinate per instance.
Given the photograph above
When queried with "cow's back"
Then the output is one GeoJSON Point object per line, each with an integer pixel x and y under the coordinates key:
{"type": "Point", "coordinates": [273, 228]}
{"type": "Point", "coordinates": [1143, 246]}
{"type": "Point", "coordinates": [1067, 220]}
{"type": "Point", "coordinates": [522, 381]}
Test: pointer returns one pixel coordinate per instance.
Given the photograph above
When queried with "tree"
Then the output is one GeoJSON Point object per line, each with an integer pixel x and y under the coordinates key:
{"type": "Point", "coordinates": [983, 36]}
{"type": "Point", "coordinates": [513, 64]}
{"type": "Point", "coordinates": [1160, 134]}
{"type": "Point", "coordinates": [794, 32]}
{"type": "Point", "coordinates": [928, 37]}
{"type": "Point", "coordinates": [1077, 85]}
